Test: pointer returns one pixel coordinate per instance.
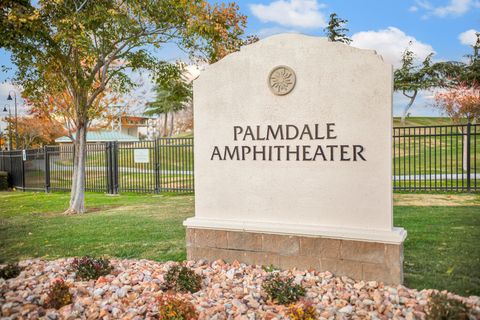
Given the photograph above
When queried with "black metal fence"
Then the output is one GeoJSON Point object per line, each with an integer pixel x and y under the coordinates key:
{"type": "Point", "coordinates": [428, 158]}
{"type": "Point", "coordinates": [437, 158]}
{"type": "Point", "coordinates": [163, 165]}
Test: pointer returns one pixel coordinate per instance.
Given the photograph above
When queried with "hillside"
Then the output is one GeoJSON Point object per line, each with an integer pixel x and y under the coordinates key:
{"type": "Point", "coordinates": [422, 121]}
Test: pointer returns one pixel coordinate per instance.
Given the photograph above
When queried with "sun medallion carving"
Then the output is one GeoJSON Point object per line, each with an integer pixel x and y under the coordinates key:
{"type": "Point", "coordinates": [281, 80]}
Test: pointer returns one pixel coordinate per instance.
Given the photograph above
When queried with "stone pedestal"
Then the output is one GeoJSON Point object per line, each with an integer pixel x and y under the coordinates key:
{"type": "Point", "coordinates": [359, 260]}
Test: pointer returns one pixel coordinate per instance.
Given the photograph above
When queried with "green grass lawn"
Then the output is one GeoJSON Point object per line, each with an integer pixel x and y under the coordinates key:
{"type": "Point", "coordinates": [442, 249]}
{"type": "Point", "coordinates": [129, 226]}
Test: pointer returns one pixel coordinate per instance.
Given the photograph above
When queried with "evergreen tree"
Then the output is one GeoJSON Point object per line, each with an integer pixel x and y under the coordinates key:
{"type": "Point", "coordinates": [454, 73]}
{"type": "Point", "coordinates": [335, 31]}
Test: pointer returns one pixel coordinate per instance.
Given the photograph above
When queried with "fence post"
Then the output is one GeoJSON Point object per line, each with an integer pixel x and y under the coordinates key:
{"type": "Point", "coordinates": [156, 165]}
{"type": "Point", "coordinates": [23, 168]}
{"type": "Point", "coordinates": [47, 168]}
{"type": "Point", "coordinates": [469, 127]}
{"type": "Point", "coordinates": [108, 156]}
{"type": "Point", "coordinates": [112, 167]}
{"type": "Point", "coordinates": [115, 167]}
{"type": "Point", "coordinates": [10, 171]}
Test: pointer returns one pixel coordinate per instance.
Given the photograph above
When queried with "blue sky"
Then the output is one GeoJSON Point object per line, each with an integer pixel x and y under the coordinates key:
{"type": "Point", "coordinates": [446, 27]}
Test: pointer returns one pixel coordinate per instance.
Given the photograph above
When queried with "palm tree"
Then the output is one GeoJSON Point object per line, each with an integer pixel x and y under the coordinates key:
{"type": "Point", "coordinates": [172, 93]}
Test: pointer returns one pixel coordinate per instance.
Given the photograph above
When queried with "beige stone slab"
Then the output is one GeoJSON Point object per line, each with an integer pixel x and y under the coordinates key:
{"type": "Point", "coordinates": [373, 271]}
{"type": "Point", "coordinates": [335, 83]}
{"type": "Point", "coordinates": [260, 258]}
{"type": "Point", "coordinates": [341, 267]}
{"type": "Point", "coordinates": [210, 238]}
{"type": "Point", "coordinates": [363, 251]}
{"type": "Point", "coordinates": [322, 247]}
{"type": "Point", "coordinates": [190, 237]}
{"type": "Point", "coordinates": [394, 255]}
{"type": "Point", "coordinates": [212, 254]}
{"type": "Point", "coordinates": [286, 245]}
{"type": "Point", "coordinates": [299, 262]}
{"type": "Point", "coordinates": [244, 241]}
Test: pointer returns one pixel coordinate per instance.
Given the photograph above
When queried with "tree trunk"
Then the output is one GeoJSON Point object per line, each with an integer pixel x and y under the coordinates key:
{"type": "Point", "coordinates": [171, 124]}
{"type": "Point", "coordinates": [75, 172]}
{"type": "Point", "coordinates": [165, 125]}
{"type": "Point", "coordinates": [77, 196]}
{"type": "Point", "coordinates": [408, 106]}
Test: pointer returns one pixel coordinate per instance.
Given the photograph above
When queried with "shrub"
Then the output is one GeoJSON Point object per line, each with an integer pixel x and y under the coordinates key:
{"type": "Point", "coordinates": [88, 268]}
{"type": "Point", "coordinates": [3, 180]}
{"type": "Point", "coordinates": [183, 279]}
{"type": "Point", "coordinates": [302, 311]}
{"type": "Point", "coordinates": [282, 289]}
{"type": "Point", "coordinates": [173, 308]}
{"type": "Point", "coordinates": [58, 295]}
{"type": "Point", "coordinates": [11, 270]}
{"type": "Point", "coordinates": [440, 307]}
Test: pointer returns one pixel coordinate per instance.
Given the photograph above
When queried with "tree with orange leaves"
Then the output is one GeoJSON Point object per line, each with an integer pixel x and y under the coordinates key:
{"type": "Point", "coordinates": [460, 103]}
{"type": "Point", "coordinates": [59, 110]}
{"type": "Point", "coordinates": [35, 131]}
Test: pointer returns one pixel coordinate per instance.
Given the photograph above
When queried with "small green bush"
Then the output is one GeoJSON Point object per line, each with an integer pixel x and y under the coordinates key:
{"type": "Point", "coordinates": [88, 268]}
{"type": "Point", "coordinates": [173, 308]}
{"type": "Point", "coordinates": [440, 307]}
{"type": "Point", "coordinates": [270, 268]}
{"type": "Point", "coordinates": [58, 295]}
{"type": "Point", "coordinates": [11, 270]}
{"type": "Point", "coordinates": [183, 279]}
{"type": "Point", "coordinates": [3, 180]}
{"type": "Point", "coordinates": [282, 289]}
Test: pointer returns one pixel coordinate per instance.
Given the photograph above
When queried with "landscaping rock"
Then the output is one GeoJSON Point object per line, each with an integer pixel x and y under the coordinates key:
{"type": "Point", "coordinates": [229, 291]}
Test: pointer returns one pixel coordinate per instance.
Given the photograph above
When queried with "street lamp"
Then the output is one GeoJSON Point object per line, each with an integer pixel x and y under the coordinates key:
{"type": "Point", "coordinates": [9, 126]}
{"type": "Point", "coordinates": [16, 117]}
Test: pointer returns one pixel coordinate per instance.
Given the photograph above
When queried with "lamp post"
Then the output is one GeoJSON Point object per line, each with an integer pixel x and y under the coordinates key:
{"type": "Point", "coordinates": [9, 126]}
{"type": "Point", "coordinates": [16, 117]}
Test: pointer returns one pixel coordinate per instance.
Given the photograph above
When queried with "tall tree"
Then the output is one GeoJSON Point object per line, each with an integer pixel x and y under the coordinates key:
{"type": "Point", "coordinates": [173, 93]}
{"type": "Point", "coordinates": [336, 30]}
{"type": "Point", "coordinates": [461, 99]}
{"type": "Point", "coordinates": [411, 78]}
{"type": "Point", "coordinates": [83, 47]}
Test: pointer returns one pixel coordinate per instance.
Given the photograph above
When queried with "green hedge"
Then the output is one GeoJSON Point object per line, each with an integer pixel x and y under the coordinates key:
{"type": "Point", "coordinates": [3, 180]}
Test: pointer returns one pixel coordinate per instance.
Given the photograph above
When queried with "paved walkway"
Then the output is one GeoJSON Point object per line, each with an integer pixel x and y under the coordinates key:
{"type": "Point", "coordinates": [438, 176]}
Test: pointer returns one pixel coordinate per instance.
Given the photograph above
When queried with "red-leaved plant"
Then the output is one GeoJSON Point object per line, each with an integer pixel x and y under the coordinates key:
{"type": "Point", "coordinates": [88, 268]}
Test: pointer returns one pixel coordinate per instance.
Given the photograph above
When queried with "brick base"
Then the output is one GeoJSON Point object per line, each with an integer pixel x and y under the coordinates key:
{"type": "Point", "coordinates": [357, 259]}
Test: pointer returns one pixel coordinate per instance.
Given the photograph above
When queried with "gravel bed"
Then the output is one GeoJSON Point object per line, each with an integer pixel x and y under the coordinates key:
{"type": "Point", "coordinates": [229, 291]}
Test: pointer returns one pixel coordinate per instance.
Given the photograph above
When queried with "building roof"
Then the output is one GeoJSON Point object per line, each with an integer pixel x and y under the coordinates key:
{"type": "Point", "coordinates": [102, 136]}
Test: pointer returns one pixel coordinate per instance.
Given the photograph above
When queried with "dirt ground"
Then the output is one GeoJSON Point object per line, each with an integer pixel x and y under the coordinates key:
{"type": "Point", "coordinates": [461, 199]}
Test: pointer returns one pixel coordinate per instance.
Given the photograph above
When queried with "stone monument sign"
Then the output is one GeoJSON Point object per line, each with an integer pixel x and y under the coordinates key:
{"type": "Point", "coordinates": [293, 159]}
